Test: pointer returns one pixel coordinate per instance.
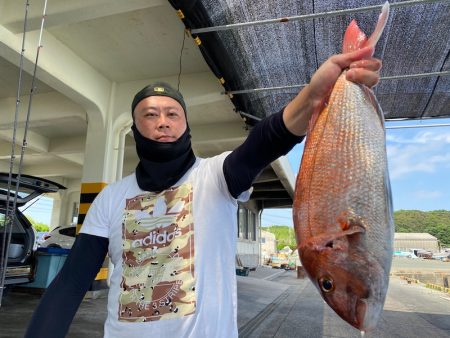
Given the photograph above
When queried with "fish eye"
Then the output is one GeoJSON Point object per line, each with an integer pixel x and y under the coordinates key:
{"type": "Point", "coordinates": [326, 284]}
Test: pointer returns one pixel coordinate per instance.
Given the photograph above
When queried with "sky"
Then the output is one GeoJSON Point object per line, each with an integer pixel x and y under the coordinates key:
{"type": "Point", "coordinates": [419, 168]}
{"type": "Point", "coordinates": [39, 209]}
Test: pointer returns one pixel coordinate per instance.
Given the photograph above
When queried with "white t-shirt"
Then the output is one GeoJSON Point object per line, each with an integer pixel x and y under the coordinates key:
{"type": "Point", "coordinates": [173, 253]}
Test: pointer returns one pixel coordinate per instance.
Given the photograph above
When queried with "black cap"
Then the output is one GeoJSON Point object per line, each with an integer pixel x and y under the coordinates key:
{"type": "Point", "coordinates": [158, 89]}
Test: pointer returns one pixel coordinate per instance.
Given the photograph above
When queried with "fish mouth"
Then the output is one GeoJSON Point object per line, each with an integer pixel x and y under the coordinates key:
{"type": "Point", "coordinates": [367, 314]}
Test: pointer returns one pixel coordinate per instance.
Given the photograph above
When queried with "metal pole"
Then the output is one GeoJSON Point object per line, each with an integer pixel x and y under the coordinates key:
{"type": "Point", "coordinates": [419, 126]}
{"type": "Point", "coordinates": [250, 116]}
{"type": "Point", "coordinates": [414, 76]}
{"type": "Point", "coordinates": [7, 225]}
{"type": "Point", "coordinates": [9, 220]}
{"type": "Point", "coordinates": [30, 100]}
{"type": "Point", "coordinates": [387, 127]}
{"type": "Point", "coordinates": [311, 16]}
{"type": "Point", "coordinates": [395, 77]}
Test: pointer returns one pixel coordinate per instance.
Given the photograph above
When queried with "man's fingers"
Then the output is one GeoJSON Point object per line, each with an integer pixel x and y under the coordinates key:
{"type": "Point", "coordinates": [370, 64]}
{"type": "Point", "coordinates": [345, 60]}
{"type": "Point", "coordinates": [363, 76]}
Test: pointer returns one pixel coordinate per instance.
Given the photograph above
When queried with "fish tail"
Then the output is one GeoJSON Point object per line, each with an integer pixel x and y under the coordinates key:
{"type": "Point", "coordinates": [382, 19]}
{"type": "Point", "coordinates": [354, 37]}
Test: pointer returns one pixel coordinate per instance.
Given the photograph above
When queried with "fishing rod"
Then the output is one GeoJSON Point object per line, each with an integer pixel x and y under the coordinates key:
{"type": "Point", "coordinates": [10, 211]}
{"type": "Point", "coordinates": [7, 228]}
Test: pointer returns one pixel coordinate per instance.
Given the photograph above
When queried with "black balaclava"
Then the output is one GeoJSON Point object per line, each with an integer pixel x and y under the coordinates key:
{"type": "Point", "coordinates": [161, 164]}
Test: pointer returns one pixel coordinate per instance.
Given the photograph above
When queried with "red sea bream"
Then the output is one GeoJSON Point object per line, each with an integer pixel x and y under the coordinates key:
{"type": "Point", "coordinates": [342, 209]}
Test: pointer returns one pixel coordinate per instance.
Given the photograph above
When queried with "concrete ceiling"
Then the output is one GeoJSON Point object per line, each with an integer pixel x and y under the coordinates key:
{"type": "Point", "coordinates": [96, 52]}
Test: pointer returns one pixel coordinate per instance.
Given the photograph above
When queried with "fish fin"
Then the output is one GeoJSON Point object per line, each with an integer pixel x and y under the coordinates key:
{"type": "Point", "coordinates": [375, 104]}
{"type": "Point", "coordinates": [353, 229]}
{"type": "Point", "coordinates": [315, 115]}
{"type": "Point", "coordinates": [382, 20]}
{"type": "Point", "coordinates": [350, 222]}
{"type": "Point", "coordinates": [389, 202]}
{"type": "Point", "coordinates": [326, 240]}
{"type": "Point", "coordinates": [354, 37]}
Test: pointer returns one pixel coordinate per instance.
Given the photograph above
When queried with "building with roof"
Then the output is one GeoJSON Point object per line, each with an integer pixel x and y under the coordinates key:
{"type": "Point", "coordinates": [268, 245]}
{"type": "Point", "coordinates": [415, 240]}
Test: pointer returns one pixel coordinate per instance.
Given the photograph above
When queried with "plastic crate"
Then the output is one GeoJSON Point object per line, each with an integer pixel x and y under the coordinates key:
{"type": "Point", "coordinates": [242, 271]}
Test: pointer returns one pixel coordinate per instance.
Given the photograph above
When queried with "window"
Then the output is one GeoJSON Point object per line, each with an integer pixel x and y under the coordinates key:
{"type": "Point", "coordinates": [251, 225]}
{"type": "Point", "coordinates": [242, 223]}
{"type": "Point", "coordinates": [246, 224]}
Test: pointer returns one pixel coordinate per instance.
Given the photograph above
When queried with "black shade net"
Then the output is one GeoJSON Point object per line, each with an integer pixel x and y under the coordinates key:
{"type": "Point", "coordinates": [416, 40]}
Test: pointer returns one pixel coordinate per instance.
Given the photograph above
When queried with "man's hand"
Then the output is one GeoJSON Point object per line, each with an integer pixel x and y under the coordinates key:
{"type": "Point", "coordinates": [362, 69]}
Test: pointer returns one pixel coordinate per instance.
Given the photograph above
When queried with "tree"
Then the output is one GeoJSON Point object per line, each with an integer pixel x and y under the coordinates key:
{"type": "Point", "coordinates": [39, 227]}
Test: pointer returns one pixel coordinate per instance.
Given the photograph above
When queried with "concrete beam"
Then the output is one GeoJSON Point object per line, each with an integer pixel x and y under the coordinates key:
{"type": "Point", "coordinates": [43, 123]}
{"type": "Point", "coordinates": [50, 169]}
{"type": "Point", "coordinates": [61, 69]}
{"type": "Point", "coordinates": [75, 158]}
{"type": "Point", "coordinates": [280, 203]}
{"type": "Point", "coordinates": [67, 145]}
{"type": "Point", "coordinates": [205, 99]}
{"type": "Point", "coordinates": [272, 195]}
{"type": "Point", "coordinates": [223, 132]}
{"type": "Point", "coordinates": [268, 186]}
{"type": "Point", "coordinates": [283, 170]}
{"type": "Point", "coordinates": [48, 109]}
{"type": "Point", "coordinates": [65, 13]}
{"type": "Point", "coordinates": [34, 140]}
{"type": "Point", "coordinates": [267, 175]}
{"type": "Point", "coordinates": [5, 164]}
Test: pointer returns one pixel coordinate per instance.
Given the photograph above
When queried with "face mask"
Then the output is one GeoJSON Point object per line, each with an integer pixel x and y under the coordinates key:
{"type": "Point", "coordinates": [162, 164]}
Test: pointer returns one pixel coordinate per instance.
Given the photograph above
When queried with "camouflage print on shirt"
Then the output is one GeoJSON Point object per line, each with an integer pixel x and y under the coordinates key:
{"type": "Point", "coordinates": [158, 256]}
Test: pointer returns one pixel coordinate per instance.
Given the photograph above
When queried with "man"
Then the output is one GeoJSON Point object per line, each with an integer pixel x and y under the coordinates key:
{"type": "Point", "coordinates": [170, 228]}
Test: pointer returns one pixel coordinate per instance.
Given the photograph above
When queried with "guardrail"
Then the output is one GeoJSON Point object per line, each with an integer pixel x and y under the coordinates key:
{"type": "Point", "coordinates": [441, 288]}
{"type": "Point", "coordinates": [437, 287]}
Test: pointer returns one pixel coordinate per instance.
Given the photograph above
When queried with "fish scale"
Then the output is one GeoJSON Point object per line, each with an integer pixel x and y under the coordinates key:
{"type": "Point", "coordinates": [342, 206]}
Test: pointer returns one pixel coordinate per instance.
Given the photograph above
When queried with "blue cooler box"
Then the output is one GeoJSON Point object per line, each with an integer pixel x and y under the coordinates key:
{"type": "Point", "coordinates": [49, 262]}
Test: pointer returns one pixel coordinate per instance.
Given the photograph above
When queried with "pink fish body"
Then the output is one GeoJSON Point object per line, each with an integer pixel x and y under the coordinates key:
{"type": "Point", "coordinates": [342, 207]}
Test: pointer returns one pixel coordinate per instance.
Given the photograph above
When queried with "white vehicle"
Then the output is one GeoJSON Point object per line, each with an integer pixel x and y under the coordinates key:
{"type": "Point", "coordinates": [406, 254]}
{"type": "Point", "coordinates": [62, 236]}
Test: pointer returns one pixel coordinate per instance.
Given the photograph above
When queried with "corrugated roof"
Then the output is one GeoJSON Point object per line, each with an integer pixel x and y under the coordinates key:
{"type": "Point", "coordinates": [416, 41]}
{"type": "Point", "coordinates": [413, 236]}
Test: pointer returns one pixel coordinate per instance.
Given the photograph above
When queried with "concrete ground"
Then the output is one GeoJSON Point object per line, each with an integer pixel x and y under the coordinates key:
{"type": "Point", "coordinates": [274, 303]}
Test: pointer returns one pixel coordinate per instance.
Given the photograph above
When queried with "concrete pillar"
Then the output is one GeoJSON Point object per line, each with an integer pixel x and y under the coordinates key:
{"type": "Point", "coordinates": [56, 210]}
{"type": "Point", "coordinates": [103, 158]}
{"type": "Point", "coordinates": [97, 168]}
{"type": "Point", "coordinates": [69, 199]}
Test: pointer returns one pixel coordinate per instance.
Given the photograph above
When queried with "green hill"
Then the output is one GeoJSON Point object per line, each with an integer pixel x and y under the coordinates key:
{"type": "Point", "coordinates": [436, 223]}
{"type": "Point", "coordinates": [284, 235]}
